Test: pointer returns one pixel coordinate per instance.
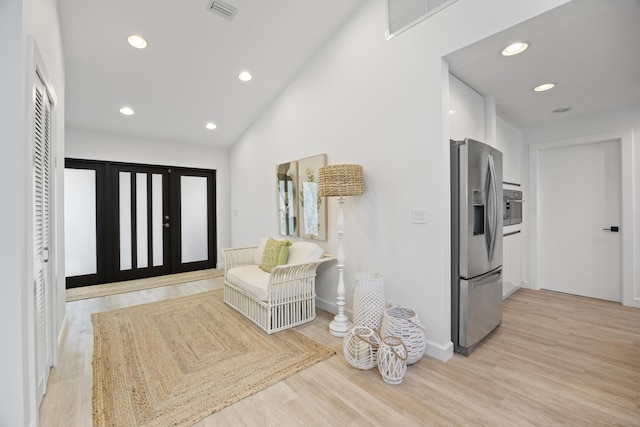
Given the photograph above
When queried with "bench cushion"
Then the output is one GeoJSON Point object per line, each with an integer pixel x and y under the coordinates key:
{"type": "Point", "coordinates": [251, 279]}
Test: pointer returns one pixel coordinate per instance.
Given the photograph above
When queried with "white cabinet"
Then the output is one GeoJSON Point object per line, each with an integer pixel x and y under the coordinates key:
{"type": "Point", "coordinates": [512, 260]}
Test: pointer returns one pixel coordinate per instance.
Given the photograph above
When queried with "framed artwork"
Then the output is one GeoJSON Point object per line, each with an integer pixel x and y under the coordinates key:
{"type": "Point", "coordinates": [312, 208]}
{"type": "Point", "coordinates": [287, 203]}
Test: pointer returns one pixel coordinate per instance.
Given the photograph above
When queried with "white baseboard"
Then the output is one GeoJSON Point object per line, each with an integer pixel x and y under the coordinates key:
{"type": "Point", "coordinates": [331, 307]}
{"type": "Point", "coordinates": [526, 284]}
{"type": "Point", "coordinates": [61, 335]}
{"type": "Point", "coordinates": [325, 305]}
{"type": "Point", "coordinates": [439, 351]}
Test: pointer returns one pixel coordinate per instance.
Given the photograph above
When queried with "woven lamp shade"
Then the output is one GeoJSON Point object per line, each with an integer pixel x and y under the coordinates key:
{"type": "Point", "coordinates": [340, 180]}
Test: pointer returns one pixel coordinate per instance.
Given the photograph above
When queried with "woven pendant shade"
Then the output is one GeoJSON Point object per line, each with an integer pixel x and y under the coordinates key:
{"type": "Point", "coordinates": [340, 180]}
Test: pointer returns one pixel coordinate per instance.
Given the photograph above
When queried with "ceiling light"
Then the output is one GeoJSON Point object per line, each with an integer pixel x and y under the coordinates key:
{"type": "Point", "coordinates": [127, 111]}
{"type": "Point", "coordinates": [245, 76]}
{"type": "Point", "coordinates": [211, 126]}
{"type": "Point", "coordinates": [137, 41]}
{"type": "Point", "coordinates": [543, 87]}
{"type": "Point", "coordinates": [451, 112]}
{"type": "Point", "coordinates": [515, 48]}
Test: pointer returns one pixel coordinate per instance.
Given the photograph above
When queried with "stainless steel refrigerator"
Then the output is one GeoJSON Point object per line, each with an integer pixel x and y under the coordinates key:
{"type": "Point", "coordinates": [476, 243]}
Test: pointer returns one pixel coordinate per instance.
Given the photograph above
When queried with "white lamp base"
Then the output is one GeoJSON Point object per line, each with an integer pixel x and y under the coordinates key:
{"type": "Point", "coordinates": [340, 327]}
{"type": "Point", "coordinates": [341, 323]}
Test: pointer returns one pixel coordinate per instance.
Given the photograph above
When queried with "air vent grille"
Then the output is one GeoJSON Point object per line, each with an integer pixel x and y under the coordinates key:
{"type": "Point", "coordinates": [223, 9]}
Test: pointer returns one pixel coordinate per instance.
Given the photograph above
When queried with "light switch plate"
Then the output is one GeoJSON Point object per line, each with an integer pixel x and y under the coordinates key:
{"type": "Point", "coordinates": [418, 216]}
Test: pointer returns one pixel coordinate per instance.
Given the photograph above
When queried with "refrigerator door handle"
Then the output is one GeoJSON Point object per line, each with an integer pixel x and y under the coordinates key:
{"type": "Point", "coordinates": [494, 201]}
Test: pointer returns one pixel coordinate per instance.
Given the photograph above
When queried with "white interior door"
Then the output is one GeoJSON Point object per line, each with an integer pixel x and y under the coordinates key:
{"type": "Point", "coordinates": [579, 196]}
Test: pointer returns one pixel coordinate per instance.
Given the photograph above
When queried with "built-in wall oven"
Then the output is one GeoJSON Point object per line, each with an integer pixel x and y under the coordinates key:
{"type": "Point", "coordinates": [511, 207]}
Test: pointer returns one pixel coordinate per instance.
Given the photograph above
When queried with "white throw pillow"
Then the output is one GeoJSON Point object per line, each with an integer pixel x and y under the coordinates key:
{"type": "Point", "coordinates": [257, 255]}
{"type": "Point", "coordinates": [302, 252]}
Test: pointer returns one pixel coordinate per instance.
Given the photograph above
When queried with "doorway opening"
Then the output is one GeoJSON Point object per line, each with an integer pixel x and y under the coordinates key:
{"type": "Point", "coordinates": [612, 270]}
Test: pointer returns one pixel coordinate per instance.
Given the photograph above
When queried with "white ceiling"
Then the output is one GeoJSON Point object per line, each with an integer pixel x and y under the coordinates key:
{"type": "Point", "coordinates": [188, 74]}
{"type": "Point", "coordinates": [589, 48]}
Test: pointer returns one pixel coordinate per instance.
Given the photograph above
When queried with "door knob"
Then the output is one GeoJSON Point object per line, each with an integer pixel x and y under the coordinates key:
{"type": "Point", "coordinates": [613, 229]}
{"type": "Point", "coordinates": [166, 225]}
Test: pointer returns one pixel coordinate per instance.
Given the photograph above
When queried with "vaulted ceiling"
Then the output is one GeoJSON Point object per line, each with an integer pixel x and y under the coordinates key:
{"type": "Point", "coordinates": [187, 76]}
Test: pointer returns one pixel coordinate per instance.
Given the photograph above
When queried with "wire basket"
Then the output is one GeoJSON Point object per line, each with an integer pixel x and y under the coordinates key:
{"type": "Point", "coordinates": [368, 300]}
{"type": "Point", "coordinates": [392, 360]}
{"type": "Point", "coordinates": [360, 347]}
{"type": "Point", "coordinates": [404, 323]}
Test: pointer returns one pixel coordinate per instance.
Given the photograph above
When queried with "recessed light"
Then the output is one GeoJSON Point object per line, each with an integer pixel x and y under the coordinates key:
{"type": "Point", "coordinates": [211, 126]}
{"type": "Point", "coordinates": [451, 112]}
{"type": "Point", "coordinates": [561, 110]}
{"type": "Point", "coordinates": [137, 41]}
{"type": "Point", "coordinates": [543, 87]}
{"type": "Point", "coordinates": [515, 48]}
{"type": "Point", "coordinates": [245, 76]}
{"type": "Point", "coordinates": [127, 111]}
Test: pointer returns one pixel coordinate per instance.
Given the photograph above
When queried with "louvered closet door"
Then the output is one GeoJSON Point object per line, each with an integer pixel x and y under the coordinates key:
{"type": "Point", "coordinates": [41, 213]}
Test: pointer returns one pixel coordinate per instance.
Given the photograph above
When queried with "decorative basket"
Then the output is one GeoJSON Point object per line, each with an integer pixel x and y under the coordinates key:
{"type": "Point", "coordinates": [360, 347]}
{"type": "Point", "coordinates": [404, 323]}
{"type": "Point", "coordinates": [392, 360]}
{"type": "Point", "coordinates": [368, 300]}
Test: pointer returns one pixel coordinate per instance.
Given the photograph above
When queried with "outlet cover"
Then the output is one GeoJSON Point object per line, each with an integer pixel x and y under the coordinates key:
{"type": "Point", "coordinates": [418, 216]}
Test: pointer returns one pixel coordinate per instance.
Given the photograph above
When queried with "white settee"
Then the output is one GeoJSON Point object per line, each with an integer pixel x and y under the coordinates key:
{"type": "Point", "coordinates": [278, 300]}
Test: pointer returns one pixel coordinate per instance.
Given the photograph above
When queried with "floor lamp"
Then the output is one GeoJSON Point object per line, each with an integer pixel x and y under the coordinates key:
{"type": "Point", "coordinates": [340, 181]}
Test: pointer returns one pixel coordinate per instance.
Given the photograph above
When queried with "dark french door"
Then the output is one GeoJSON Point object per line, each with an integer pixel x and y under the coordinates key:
{"type": "Point", "coordinates": [140, 221]}
{"type": "Point", "coordinates": [140, 218]}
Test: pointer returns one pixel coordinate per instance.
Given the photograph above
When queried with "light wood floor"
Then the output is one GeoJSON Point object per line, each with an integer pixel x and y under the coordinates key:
{"type": "Point", "coordinates": [556, 360]}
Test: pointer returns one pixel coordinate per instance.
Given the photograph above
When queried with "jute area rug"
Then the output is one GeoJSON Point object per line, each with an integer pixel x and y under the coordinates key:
{"type": "Point", "coordinates": [94, 291]}
{"type": "Point", "coordinates": [174, 362]}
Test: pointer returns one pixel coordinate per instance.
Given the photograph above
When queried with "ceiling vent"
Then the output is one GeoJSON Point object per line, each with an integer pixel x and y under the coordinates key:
{"type": "Point", "coordinates": [223, 9]}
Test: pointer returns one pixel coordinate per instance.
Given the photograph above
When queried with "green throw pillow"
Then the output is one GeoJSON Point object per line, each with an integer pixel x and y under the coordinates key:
{"type": "Point", "coordinates": [275, 253]}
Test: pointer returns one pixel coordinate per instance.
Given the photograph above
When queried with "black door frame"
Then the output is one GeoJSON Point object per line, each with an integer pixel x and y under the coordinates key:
{"type": "Point", "coordinates": [107, 221]}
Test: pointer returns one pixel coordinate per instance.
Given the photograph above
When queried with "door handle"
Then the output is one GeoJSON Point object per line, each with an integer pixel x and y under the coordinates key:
{"type": "Point", "coordinates": [494, 201]}
{"type": "Point", "coordinates": [166, 225]}
{"type": "Point", "coordinates": [613, 229]}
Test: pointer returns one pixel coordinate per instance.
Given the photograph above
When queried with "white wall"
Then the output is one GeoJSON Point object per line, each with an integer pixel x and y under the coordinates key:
{"type": "Point", "coordinates": [81, 144]}
{"type": "Point", "coordinates": [625, 121]}
{"type": "Point", "coordinates": [383, 105]}
{"type": "Point", "coordinates": [18, 19]}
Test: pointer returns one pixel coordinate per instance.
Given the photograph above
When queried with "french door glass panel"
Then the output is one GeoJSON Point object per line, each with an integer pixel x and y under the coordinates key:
{"type": "Point", "coordinates": [194, 218]}
{"type": "Point", "coordinates": [81, 256]}
{"type": "Point", "coordinates": [125, 220]}
{"type": "Point", "coordinates": [141, 221]}
{"type": "Point", "coordinates": [157, 223]}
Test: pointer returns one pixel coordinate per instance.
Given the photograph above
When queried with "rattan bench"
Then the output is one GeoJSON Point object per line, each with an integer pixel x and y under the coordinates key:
{"type": "Point", "coordinates": [284, 298]}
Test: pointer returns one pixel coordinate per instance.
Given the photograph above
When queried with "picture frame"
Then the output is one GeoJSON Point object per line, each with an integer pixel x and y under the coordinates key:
{"type": "Point", "coordinates": [312, 208]}
{"type": "Point", "coordinates": [287, 199]}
